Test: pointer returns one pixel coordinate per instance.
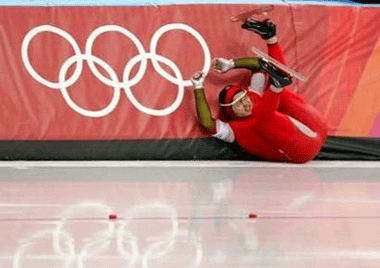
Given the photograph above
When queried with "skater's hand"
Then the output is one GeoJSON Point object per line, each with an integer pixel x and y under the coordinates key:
{"type": "Point", "coordinates": [222, 65]}
{"type": "Point", "coordinates": [198, 80]}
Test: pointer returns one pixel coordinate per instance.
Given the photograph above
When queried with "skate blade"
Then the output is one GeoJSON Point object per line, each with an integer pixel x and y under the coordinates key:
{"type": "Point", "coordinates": [246, 15]}
{"type": "Point", "coordinates": [279, 65]}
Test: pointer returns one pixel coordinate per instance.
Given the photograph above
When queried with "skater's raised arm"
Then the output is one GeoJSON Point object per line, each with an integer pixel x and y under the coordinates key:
{"type": "Point", "coordinates": [203, 109]}
{"type": "Point", "coordinates": [222, 65]}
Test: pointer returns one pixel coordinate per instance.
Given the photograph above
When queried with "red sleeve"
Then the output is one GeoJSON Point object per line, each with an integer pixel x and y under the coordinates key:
{"type": "Point", "coordinates": [270, 103]}
{"type": "Point", "coordinates": [264, 106]}
{"type": "Point", "coordinates": [214, 129]}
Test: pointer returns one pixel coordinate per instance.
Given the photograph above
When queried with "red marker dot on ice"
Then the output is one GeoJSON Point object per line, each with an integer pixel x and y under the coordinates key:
{"type": "Point", "coordinates": [112, 216]}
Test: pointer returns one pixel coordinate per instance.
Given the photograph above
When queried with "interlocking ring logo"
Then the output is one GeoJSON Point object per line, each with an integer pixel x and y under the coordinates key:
{"type": "Point", "coordinates": [113, 81]}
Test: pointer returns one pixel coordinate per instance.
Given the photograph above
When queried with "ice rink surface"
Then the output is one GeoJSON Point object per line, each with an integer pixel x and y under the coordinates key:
{"type": "Point", "coordinates": [189, 214]}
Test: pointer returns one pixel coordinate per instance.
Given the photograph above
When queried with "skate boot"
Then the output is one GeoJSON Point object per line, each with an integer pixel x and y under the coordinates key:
{"type": "Point", "coordinates": [266, 29]}
{"type": "Point", "coordinates": [278, 78]}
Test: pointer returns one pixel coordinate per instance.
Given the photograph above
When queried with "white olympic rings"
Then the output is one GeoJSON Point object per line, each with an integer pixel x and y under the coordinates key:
{"type": "Point", "coordinates": [113, 80]}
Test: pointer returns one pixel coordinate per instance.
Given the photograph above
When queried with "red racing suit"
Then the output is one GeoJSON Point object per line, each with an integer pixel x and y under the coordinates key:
{"type": "Point", "coordinates": [283, 127]}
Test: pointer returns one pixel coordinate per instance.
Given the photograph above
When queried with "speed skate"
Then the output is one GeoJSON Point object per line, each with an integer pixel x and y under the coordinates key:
{"type": "Point", "coordinates": [279, 65]}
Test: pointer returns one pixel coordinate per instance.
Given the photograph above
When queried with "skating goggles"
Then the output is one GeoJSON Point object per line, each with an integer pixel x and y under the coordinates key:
{"type": "Point", "coordinates": [235, 101]}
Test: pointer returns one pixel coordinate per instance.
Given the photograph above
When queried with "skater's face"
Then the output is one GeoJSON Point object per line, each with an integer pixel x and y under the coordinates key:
{"type": "Point", "coordinates": [243, 107]}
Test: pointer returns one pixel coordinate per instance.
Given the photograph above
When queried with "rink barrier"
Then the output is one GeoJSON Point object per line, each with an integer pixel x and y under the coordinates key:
{"type": "Point", "coordinates": [335, 148]}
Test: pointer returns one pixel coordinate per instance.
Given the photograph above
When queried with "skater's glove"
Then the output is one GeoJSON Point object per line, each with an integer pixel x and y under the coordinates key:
{"type": "Point", "coordinates": [222, 65]}
{"type": "Point", "coordinates": [198, 80]}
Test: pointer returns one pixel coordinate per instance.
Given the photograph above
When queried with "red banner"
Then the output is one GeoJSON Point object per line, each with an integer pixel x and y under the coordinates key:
{"type": "Point", "coordinates": [99, 73]}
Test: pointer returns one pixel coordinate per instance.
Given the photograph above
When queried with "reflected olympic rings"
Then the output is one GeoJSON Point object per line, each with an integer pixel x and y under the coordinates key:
{"type": "Point", "coordinates": [160, 245]}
